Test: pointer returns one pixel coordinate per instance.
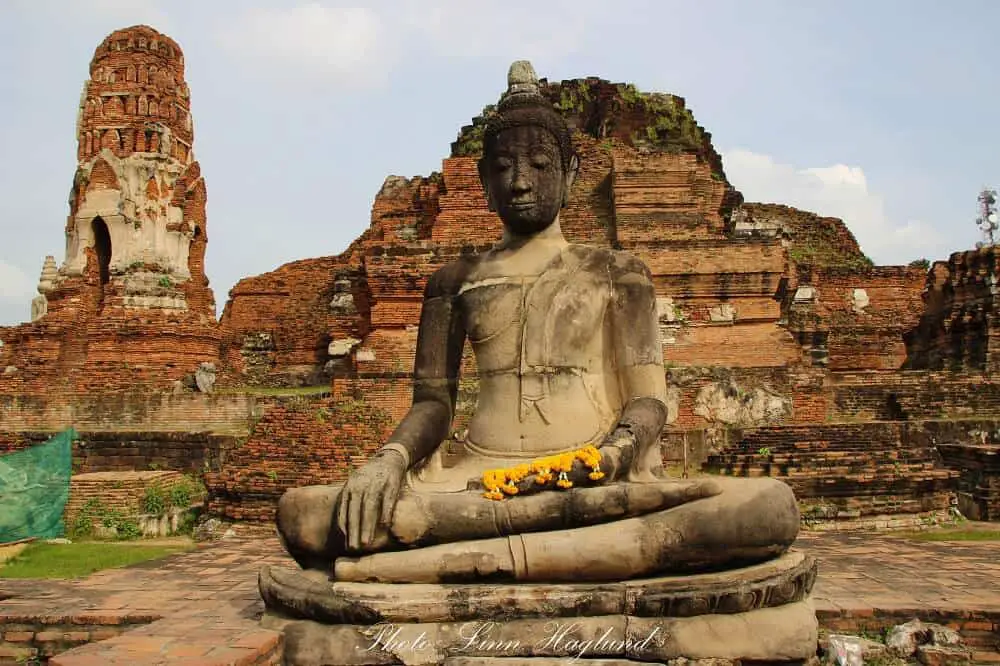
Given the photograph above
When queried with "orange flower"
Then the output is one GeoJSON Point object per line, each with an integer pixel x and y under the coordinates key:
{"type": "Point", "coordinates": [501, 482]}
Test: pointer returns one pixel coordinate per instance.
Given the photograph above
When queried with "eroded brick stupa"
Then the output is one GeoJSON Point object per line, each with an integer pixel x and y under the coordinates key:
{"type": "Point", "coordinates": [130, 305]}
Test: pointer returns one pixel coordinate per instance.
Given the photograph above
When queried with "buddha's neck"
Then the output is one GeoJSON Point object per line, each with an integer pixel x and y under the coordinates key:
{"type": "Point", "coordinates": [547, 240]}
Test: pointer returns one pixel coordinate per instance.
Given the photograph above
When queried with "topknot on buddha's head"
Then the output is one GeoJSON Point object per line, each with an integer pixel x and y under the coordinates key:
{"type": "Point", "coordinates": [523, 104]}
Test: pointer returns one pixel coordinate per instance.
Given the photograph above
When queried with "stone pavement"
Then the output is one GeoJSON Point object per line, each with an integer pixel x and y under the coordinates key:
{"type": "Point", "coordinates": [887, 571]}
{"type": "Point", "coordinates": [208, 605]}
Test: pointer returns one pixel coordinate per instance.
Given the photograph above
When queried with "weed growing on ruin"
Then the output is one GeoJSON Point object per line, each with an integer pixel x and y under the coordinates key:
{"type": "Point", "coordinates": [764, 452]}
{"type": "Point", "coordinates": [629, 93]}
{"type": "Point", "coordinates": [165, 282]}
{"type": "Point", "coordinates": [154, 500]}
{"type": "Point", "coordinates": [157, 501]}
{"type": "Point", "coordinates": [94, 512]}
{"type": "Point", "coordinates": [183, 494]}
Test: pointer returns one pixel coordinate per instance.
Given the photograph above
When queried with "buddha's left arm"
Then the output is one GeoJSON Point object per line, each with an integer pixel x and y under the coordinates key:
{"type": "Point", "coordinates": [638, 353]}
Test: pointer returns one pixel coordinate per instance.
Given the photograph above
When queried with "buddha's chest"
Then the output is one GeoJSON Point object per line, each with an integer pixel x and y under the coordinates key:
{"type": "Point", "coordinates": [556, 319]}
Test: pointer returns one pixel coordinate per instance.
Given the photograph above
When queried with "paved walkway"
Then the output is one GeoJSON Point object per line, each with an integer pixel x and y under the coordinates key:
{"type": "Point", "coordinates": [209, 605]}
{"type": "Point", "coordinates": [889, 572]}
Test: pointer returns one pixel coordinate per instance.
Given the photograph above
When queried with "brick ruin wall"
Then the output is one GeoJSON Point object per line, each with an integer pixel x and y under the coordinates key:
{"type": "Point", "coordinates": [956, 328]}
{"type": "Point", "coordinates": [119, 492]}
{"type": "Point", "coordinates": [978, 466]}
{"type": "Point", "coordinates": [861, 469]}
{"type": "Point", "coordinates": [297, 442]}
{"type": "Point", "coordinates": [129, 412]}
{"type": "Point", "coordinates": [189, 452]}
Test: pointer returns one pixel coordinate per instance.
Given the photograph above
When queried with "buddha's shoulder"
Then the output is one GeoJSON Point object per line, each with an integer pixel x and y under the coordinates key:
{"type": "Point", "coordinates": [448, 279]}
{"type": "Point", "coordinates": [618, 263]}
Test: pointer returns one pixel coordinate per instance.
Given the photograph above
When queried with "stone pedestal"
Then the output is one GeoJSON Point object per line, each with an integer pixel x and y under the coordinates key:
{"type": "Point", "coordinates": [760, 613]}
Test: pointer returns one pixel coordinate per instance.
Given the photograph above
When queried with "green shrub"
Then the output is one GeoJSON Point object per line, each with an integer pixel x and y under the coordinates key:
{"type": "Point", "coordinates": [184, 493]}
{"type": "Point", "coordinates": [83, 526]}
{"type": "Point", "coordinates": [154, 501]}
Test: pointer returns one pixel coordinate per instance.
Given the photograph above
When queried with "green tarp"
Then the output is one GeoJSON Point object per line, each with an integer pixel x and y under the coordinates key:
{"type": "Point", "coordinates": [34, 489]}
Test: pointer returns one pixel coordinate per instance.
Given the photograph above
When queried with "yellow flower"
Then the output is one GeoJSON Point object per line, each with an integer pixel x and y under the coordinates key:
{"type": "Point", "coordinates": [499, 482]}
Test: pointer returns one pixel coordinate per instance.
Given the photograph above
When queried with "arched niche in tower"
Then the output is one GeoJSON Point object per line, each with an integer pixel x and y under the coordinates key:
{"type": "Point", "coordinates": [102, 247]}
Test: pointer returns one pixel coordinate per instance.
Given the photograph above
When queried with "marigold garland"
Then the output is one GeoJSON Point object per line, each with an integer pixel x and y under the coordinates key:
{"type": "Point", "coordinates": [502, 482]}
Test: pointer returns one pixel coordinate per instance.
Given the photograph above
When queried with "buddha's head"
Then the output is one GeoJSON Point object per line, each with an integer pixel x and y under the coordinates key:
{"type": "Point", "coordinates": [528, 164]}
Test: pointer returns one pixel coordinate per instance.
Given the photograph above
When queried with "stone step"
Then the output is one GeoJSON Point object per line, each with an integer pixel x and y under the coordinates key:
{"type": "Point", "coordinates": [939, 478]}
{"type": "Point", "coordinates": [823, 457]}
{"type": "Point", "coordinates": [825, 445]}
{"type": "Point", "coordinates": [833, 470]}
{"type": "Point", "coordinates": [826, 467]}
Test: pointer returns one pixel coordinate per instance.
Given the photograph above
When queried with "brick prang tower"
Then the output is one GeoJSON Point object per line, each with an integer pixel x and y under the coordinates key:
{"type": "Point", "coordinates": [130, 304]}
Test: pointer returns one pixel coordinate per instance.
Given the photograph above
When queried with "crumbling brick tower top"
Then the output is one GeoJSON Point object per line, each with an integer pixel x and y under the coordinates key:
{"type": "Point", "coordinates": [130, 304]}
{"type": "Point", "coordinates": [138, 196]}
{"type": "Point", "coordinates": [137, 86]}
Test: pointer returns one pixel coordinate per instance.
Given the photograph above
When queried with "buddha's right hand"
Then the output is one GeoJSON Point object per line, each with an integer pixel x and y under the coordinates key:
{"type": "Point", "coordinates": [369, 497]}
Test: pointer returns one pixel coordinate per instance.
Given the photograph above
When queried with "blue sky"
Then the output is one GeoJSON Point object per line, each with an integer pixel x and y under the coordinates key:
{"type": "Point", "coordinates": [877, 111]}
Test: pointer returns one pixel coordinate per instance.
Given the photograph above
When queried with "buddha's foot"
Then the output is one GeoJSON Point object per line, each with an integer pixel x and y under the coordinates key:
{"type": "Point", "coordinates": [760, 613]}
{"type": "Point", "coordinates": [751, 520]}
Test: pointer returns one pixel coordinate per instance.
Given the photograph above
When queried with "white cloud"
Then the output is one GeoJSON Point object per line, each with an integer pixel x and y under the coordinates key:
{"type": "Point", "coordinates": [311, 39]}
{"type": "Point", "coordinates": [533, 31]}
{"type": "Point", "coordinates": [360, 45]}
{"type": "Point", "coordinates": [16, 292]}
{"type": "Point", "coordinates": [835, 191]}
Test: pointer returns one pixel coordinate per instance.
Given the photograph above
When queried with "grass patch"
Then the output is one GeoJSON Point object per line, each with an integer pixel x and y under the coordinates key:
{"type": "Point", "coordinates": [75, 560]}
{"type": "Point", "coordinates": [966, 534]}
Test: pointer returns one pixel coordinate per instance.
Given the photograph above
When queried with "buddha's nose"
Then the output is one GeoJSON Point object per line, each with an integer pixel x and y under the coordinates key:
{"type": "Point", "coordinates": [521, 183]}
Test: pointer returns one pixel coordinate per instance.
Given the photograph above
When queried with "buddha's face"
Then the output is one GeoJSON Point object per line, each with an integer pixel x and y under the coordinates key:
{"type": "Point", "coordinates": [524, 178]}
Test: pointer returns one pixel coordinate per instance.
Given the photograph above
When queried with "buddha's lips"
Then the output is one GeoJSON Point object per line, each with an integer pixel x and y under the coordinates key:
{"type": "Point", "coordinates": [522, 205]}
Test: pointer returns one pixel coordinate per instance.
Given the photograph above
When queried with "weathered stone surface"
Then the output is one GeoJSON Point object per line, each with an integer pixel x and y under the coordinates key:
{"type": "Point", "coordinates": [204, 377]}
{"type": "Point", "coordinates": [308, 595]}
{"type": "Point", "coordinates": [859, 300]}
{"type": "Point", "coordinates": [938, 655]}
{"type": "Point", "coordinates": [784, 633]}
{"type": "Point", "coordinates": [847, 650]}
{"type": "Point", "coordinates": [905, 639]}
{"type": "Point", "coordinates": [730, 404]}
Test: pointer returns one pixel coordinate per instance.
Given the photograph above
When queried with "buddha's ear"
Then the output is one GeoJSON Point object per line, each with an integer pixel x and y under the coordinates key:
{"type": "Point", "coordinates": [485, 181]}
{"type": "Point", "coordinates": [570, 177]}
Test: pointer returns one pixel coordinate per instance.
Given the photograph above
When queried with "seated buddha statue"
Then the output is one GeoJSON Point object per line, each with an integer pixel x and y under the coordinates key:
{"type": "Point", "coordinates": [560, 477]}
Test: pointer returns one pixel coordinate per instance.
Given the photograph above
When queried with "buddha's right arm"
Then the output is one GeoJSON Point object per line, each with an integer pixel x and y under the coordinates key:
{"type": "Point", "coordinates": [440, 341]}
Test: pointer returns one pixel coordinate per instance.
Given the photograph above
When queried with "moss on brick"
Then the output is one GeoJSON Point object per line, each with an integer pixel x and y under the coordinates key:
{"type": "Point", "coordinates": [604, 110]}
